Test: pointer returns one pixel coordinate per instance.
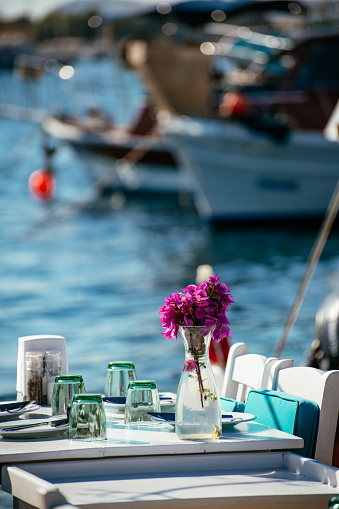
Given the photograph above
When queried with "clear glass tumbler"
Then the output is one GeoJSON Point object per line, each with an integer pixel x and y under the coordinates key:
{"type": "Point", "coordinates": [87, 418]}
{"type": "Point", "coordinates": [65, 387]}
{"type": "Point", "coordinates": [118, 376]}
{"type": "Point", "coordinates": [142, 397]}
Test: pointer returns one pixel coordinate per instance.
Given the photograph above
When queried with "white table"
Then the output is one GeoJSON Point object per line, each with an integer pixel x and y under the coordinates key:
{"type": "Point", "coordinates": [129, 449]}
{"type": "Point", "coordinates": [242, 480]}
{"type": "Point", "coordinates": [136, 440]}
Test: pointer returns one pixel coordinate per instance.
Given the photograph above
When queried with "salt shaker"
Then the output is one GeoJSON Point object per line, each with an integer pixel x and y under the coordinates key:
{"type": "Point", "coordinates": [53, 369]}
{"type": "Point", "coordinates": [34, 377]}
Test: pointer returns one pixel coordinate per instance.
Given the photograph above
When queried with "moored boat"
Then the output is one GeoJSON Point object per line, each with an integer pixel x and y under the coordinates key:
{"type": "Point", "coordinates": [165, 50]}
{"type": "Point", "coordinates": [265, 157]}
{"type": "Point", "coordinates": [137, 159]}
{"type": "Point", "coordinates": [242, 175]}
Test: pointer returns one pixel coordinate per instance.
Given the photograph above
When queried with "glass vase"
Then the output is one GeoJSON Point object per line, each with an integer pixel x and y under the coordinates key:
{"type": "Point", "coordinates": [198, 412]}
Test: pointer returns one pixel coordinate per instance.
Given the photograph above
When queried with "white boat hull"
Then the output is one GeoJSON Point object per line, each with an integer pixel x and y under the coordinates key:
{"type": "Point", "coordinates": [242, 175]}
{"type": "Point", "coordinates": [120, 161]}
{"type": "Point", "coordinates": [130, 178]}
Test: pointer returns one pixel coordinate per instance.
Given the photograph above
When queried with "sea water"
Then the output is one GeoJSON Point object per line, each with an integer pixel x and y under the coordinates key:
{"type": "Point", "coordinates": [98, 274]}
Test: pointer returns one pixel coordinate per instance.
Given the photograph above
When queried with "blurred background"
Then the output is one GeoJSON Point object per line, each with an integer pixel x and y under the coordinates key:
{"type": "Point", "coordinates": [140, 140]}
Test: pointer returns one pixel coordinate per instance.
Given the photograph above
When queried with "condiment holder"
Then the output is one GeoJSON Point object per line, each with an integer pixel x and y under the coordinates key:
{"type": "Point", "coordinates": [40, 359]}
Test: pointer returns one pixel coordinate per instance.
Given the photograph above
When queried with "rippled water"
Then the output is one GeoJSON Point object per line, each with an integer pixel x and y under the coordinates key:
{"type": "Point", "coordinates": [98, 276]}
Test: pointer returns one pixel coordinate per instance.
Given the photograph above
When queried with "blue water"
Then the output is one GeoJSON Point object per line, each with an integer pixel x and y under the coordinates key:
{"type": "Point", "coordinates": [98, 276]}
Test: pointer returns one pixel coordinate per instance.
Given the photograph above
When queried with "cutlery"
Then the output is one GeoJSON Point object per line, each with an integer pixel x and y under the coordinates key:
{"type": "Point", "coordinates": [52, 422]}
{"type": "Point", "coordinates": [14, 406]}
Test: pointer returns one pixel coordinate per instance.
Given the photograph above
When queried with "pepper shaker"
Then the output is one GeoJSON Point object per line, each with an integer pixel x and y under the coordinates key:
{"type": "Point", "coordinates": [34, 377]}
{"type": "Point", "coordinates": [53, 369]}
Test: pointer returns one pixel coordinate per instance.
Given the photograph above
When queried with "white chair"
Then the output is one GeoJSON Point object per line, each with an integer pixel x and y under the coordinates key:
{"type": "Point", "coordinates": [323, 388]}
{"type": "Point", "coordinates": [32, 491]}
{"type": "Point", "coordinates": [245, 371]}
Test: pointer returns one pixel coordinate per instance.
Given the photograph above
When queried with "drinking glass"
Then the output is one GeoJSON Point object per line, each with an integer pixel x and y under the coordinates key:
{"type": "Point", "coordinates": [65, 386]}
{"type": "Point", "coordinates": [87, 418]}
{"type": "Point", "coordinates": [118, 376]}
{"type": "Point", "coordinates": [142, 397]}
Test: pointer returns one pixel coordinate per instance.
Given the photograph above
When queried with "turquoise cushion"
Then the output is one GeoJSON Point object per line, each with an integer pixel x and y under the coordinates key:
{"type": "Point", "coordinates": [288, 413]}
{"type": "Point", "coordinates": [231, 405]}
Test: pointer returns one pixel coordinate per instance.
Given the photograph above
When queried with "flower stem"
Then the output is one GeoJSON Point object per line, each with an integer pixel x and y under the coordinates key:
{"type": "Point", "coordinates": [201, 387]}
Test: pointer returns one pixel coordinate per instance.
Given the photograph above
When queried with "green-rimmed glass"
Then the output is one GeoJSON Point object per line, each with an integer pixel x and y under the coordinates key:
{"type": "Point", "coordinates": [142, 397]}
{"type": "Point", "coordinates": [65, 387]}
{"type": "Point", "coordinates": [87, 418]}
{"type": "Point", "coordinates": [118, 376]}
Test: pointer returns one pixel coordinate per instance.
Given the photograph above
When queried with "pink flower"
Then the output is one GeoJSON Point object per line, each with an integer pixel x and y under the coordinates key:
{"type": "Point", "coordinates": [206, 304]}
{"type": "Point", "coordinates": [190, 365]}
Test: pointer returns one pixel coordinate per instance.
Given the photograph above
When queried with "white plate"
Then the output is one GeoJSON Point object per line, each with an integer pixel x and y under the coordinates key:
{"type": "Point", "coordinates": [8, 416]}
{"type": "Point", "coordinates": [166, 404]}
{"type": "Point", "coordinates": [43, 431]}
{"type": "Point", "coordinates": [236, 418]}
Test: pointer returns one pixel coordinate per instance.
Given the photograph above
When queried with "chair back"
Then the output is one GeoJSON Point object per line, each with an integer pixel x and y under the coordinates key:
{"type": "Point", "coordinates": [246, 371]}
{"type": "Point", "coordinates": [322, 388]}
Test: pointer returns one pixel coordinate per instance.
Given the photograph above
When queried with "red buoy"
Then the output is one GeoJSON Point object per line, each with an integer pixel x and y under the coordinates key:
{"type": "Point", "coordinates": [42, 185]}
{"type": "Point", "coordinates": [234, 103]}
